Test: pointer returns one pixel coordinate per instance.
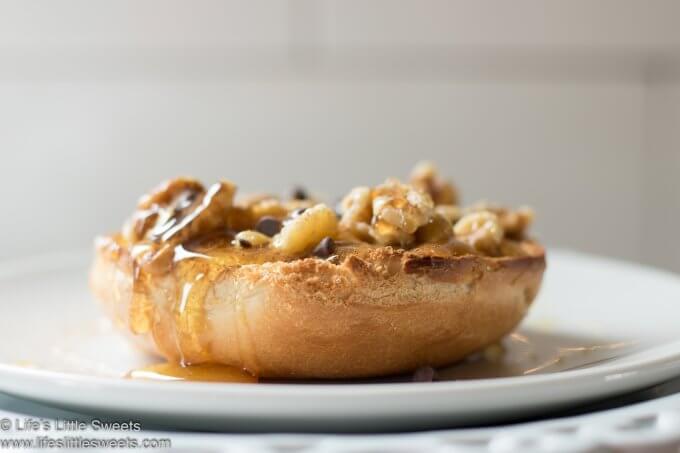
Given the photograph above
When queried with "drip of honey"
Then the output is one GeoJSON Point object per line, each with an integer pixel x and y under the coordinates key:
{"type": "Point", "coordinates": [202, 373]}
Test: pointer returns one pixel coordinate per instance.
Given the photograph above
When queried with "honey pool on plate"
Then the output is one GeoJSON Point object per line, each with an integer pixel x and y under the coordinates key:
{"type": "Point", "coordinates": [205, 373]}
{"type": "Point", "coordinates": [522, 353]}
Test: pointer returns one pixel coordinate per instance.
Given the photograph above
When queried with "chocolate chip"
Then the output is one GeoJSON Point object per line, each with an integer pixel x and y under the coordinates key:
{"type": "Point", "coordinates": [424, 374]}
{"type": "Point", "coordinates": [325, 248]}
{"type": "Point", "coordinates": [268, 225]}
{"type": "Point", "coordinates": [245, 244]}
{"type": "Point", "coordinates": [297, 212]}
{"type": "Point", "coordinates": [299, 193]}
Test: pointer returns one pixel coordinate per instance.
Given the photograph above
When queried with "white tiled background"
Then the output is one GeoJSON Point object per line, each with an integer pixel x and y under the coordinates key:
{"type": "Point", "coordinates": [570, 106]}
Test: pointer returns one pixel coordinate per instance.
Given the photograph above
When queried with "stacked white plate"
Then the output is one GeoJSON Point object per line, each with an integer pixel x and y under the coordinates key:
{"type": "Point", "coordinates": [599, 328]}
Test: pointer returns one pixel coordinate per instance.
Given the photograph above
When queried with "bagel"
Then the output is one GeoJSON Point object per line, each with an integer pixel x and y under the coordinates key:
{"type": "Point", "coordinates": [191, 279]}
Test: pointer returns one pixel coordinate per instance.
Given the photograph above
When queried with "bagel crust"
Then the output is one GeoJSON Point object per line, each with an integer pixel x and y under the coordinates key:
{"type": "Point", "coordinates": [369, 311]}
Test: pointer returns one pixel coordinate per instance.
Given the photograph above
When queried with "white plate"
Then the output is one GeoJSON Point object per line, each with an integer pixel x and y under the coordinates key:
{"type": "Point", "coordinates": [599, 328]}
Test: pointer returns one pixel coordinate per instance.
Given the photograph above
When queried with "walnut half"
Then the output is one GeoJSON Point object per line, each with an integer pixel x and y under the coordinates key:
{"type": "Point", "coordinates": [180, 209]}
{"type": "Point", "coordinates": [388, 214]}
{"type": "Point", "coordinates": [398, 211]}
{"type": "Point", "coordinates": [426, 177]}
{"type": "Point", "coordinates": [482, 230]}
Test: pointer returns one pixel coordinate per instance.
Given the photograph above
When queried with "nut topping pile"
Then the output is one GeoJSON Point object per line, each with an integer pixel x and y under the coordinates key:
{"type": "Point", "coordinates": [423, 211]}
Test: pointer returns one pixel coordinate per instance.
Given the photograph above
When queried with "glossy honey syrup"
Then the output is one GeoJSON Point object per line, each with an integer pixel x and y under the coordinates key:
{"type": "Point", "coordinates": [205, 373]}
{"type": "Point", "coordinates": [523, 353]}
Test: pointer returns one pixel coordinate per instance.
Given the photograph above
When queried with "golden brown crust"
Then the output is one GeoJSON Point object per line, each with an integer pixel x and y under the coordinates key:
{"type": "Point", "coordinates": [378, 311]}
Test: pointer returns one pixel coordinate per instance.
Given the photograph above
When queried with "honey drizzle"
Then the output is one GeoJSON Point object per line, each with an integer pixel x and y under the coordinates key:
{"type": "Point", "coordinates": [531, 352]}
{"type": "Point", "coordinates": [191, 328]}
{"type": "Point", "coordinates": [203, 373]}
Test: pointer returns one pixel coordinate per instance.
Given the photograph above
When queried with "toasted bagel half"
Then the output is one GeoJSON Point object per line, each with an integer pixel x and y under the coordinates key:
{"type": "Point", "coordinates": [368, 310]}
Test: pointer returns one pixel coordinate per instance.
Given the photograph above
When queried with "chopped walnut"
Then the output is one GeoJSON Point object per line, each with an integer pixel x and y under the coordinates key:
{"type": "Point", "coordinates": [482, 230]}
{"type": "Point", "coordinates": [437, 230]}
{"type": "Point", "coordinates": [515, 223]}
{"type": "Point", "coordinates": [209, 215]}
{"type": "Point", "coordinates": [357, 211]}
{"type": "Point", "coordinates": [179, 210]}
{"type": "Point", "coordinates": [450, 212]}
{"type": "Point", "coordinates": [426, 177]}
{"type": "Point", "coordinates": [169, 191]}
{"type": "Point", "coordinates": [389, 214]}
{"type": "Point", "coordinates": [510, 247]}
{"type": "Point", "coordinates": [405, 215]}
{"type": "Point", "coordinates": [172, 197]}
{"type": "Point", "coordinates": [398, 211]}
